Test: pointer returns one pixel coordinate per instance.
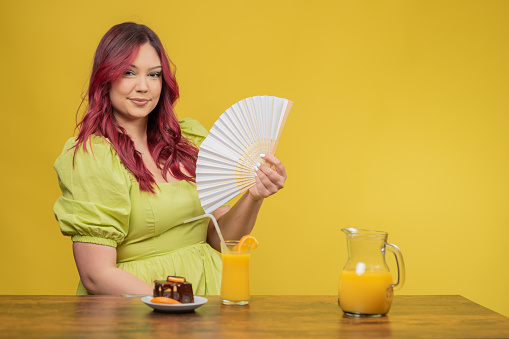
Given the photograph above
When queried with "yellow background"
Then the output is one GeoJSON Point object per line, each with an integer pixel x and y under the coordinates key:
{"type": "Point", "coordinates": [399, 123]}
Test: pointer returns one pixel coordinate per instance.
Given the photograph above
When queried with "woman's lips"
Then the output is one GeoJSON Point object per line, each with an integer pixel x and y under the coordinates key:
{"type": "Point", "coordinates": [139, 101]}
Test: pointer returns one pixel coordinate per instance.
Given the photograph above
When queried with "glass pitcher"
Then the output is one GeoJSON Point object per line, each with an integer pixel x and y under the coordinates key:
{"type": "Point", "coordinates": [365, 284]}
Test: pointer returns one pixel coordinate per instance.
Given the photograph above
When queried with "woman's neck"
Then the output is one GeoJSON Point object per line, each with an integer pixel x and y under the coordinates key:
{"type": "Point", "coordinates": [137, 131]}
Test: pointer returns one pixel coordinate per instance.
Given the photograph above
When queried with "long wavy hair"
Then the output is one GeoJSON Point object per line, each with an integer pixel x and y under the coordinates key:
{"type": "Point", "coordinates": [114, 55]}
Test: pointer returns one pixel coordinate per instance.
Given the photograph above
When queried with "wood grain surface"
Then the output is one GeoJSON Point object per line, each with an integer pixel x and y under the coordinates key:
{"type": "Point", "coordinates": [449, 316]}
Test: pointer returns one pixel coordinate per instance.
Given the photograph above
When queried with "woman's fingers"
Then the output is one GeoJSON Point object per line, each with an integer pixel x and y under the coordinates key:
{"type": "Point", "coordinates": [278, 165]}
{"type": "Point", "coordinates": [270, 177]}
{"type": "Point", "coordinates": [269, 180]}
{"type": "Point", "coordinates": [266, 185]}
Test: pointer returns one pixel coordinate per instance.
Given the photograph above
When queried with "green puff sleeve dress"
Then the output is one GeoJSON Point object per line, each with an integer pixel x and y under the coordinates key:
{"type": "Point", "coordinates": [101, 203]}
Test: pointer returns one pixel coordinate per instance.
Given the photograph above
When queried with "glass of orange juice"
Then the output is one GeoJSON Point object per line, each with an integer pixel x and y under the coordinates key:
{"type": "Point", "coordinates": [235, 278]}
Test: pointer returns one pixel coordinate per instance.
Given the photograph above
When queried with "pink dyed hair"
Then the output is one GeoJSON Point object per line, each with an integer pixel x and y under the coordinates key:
{"type": "Point", "coordinates": [115, 53]}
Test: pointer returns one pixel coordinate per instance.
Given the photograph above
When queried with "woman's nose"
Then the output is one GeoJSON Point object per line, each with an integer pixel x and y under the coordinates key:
{"type": "Point", "coordinates": [141, 84]}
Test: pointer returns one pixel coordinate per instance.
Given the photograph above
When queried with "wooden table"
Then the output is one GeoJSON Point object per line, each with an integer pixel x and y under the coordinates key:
{"type": "Point", "coordinates": [449, 316]}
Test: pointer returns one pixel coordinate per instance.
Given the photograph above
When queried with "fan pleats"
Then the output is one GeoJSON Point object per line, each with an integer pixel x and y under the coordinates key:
{"type": "Point", "coordinates": [229, 154]}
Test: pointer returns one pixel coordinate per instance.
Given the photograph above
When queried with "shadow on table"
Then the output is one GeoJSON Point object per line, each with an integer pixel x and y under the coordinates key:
{"type": "Point", "coordinates": [365, 327]}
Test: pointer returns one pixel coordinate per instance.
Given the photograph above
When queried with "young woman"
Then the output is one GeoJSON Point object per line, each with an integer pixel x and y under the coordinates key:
{"type": "Point", "coordinates": [128, 178]}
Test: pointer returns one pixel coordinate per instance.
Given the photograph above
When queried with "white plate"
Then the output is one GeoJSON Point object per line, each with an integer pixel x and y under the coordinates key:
{"type": "Point", "coordinates": [175, 308]}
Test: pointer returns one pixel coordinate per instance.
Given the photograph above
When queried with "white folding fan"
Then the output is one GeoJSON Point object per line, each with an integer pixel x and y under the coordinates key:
{"type": "Point", "coordinates": [229, 154]}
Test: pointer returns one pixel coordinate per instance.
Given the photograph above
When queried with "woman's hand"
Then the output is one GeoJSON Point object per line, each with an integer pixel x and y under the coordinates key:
{"type": "Point", "coordinates": [268, 180]}
{"type": "Point", "coordinates": [241, 218]}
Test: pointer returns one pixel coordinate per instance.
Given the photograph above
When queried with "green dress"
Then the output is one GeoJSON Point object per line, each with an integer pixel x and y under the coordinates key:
{"type": "Point", "coordinates": [101, 203]}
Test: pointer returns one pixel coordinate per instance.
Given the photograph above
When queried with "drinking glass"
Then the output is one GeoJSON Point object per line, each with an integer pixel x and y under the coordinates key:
{"type": "Point", "coordinates": [235, 278]}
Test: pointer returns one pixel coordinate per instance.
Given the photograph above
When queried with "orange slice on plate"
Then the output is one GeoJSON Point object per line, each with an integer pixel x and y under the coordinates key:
{"type": "Point", "coordinates": [247, 242]}
{"type": "Point", "coordinates": [164, 300]}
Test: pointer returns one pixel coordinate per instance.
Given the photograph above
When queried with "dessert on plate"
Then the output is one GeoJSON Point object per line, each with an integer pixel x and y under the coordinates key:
{"type": "Point", "coordinates": [176, 288]}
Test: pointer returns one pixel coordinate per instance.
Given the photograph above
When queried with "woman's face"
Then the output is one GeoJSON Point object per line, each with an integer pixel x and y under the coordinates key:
{"type": "Point", "coordinates": [136, 93]}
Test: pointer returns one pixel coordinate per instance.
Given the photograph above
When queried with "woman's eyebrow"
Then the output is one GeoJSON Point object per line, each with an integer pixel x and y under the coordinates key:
{"type": "Point", "coordinates": [134, 66]}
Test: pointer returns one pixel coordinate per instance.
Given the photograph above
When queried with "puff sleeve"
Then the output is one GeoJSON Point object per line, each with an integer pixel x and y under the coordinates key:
{"type": "Point", "coordinates": [192, 130]}
{"type": "Point", "coordinates": [95, 204]}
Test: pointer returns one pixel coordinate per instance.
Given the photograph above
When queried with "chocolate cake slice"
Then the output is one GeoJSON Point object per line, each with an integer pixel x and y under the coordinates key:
{"type": "Point", "coordinates": [181, 291]}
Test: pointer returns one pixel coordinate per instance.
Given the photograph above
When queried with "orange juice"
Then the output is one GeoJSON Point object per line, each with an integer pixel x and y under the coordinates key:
{"type": "Point", "coordinates": [235, 278]}
{"type": "Point", "coordinates": [367, 293]}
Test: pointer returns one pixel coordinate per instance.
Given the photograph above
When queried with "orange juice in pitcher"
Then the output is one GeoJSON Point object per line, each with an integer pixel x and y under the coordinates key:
{"type": "Point", "coordinates": [368, 293]}
{"type": "Point", "coordinates": [365, 284]}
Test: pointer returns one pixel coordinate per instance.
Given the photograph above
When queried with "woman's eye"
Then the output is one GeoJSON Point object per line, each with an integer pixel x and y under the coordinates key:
{"type": "Point", "coordinates": [155, 75]}
{"type": "Point", "coordinates": [129, 72]}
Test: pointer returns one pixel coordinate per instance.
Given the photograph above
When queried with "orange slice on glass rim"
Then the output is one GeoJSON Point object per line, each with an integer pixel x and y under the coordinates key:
{"type": "Point", "coordinates": [247, 242]}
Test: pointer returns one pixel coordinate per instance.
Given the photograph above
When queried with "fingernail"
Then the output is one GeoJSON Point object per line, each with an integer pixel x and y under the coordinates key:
{"type": "Point", "coordinates": [256, 169]}
{"type": "Point", "coordinates": [262, 155]}
{"type": "Point", "coordinates": [256, 174]}
{"type": "Point", "coordinates": [258, 164]}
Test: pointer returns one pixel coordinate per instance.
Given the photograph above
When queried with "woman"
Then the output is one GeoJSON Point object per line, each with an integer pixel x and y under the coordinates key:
{"type": "Point", "coordinates": [128, 178]}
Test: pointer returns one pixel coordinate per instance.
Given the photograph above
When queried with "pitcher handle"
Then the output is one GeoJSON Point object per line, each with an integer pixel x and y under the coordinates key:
{"type": "Point", "coordinates": [401, 266]}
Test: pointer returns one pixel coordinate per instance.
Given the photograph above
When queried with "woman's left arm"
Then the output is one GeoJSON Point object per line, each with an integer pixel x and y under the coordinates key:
{"type": "Point", "coordinates": [239, 220]}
